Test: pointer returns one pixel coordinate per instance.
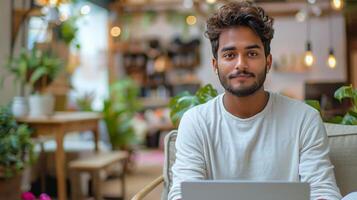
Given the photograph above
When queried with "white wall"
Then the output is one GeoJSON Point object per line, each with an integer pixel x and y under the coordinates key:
{"type": "Point", "coordinates": [290, 37]}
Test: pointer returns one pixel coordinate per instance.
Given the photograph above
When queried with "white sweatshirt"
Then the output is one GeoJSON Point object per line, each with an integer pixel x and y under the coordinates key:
{"type": "Point", "coordinates": [286, 141]}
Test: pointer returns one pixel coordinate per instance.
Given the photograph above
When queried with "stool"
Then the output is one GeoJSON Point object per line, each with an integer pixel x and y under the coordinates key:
{"type": "Point", "coordinates": [94, 165]}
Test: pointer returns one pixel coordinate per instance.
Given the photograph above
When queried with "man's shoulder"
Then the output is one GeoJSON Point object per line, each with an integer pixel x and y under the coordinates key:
{"type": "Point", "coordinates": [292, 105]}
{"type": "Point", "coordinates": [206, 109]}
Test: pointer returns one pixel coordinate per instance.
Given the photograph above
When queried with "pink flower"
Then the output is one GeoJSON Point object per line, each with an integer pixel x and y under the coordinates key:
{"type": "Point", "coordinates": [44, 196]}
{"type": "Point", "coordinates": [28, 196]}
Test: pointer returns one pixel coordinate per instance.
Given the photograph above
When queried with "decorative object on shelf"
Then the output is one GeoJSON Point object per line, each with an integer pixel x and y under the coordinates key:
{"type": "Point", "coordinates": [344, 92]}
{"type": "Point", "coordinates": [184, 101]}
{"type": "Point", "coordinates": [118, 112]}
{"type": "Point", "coordinates": [16, 152]}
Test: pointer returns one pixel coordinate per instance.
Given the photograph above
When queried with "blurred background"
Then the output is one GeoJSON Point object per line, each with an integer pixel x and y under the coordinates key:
{"type": "Point", "coordinates": [125, 59]}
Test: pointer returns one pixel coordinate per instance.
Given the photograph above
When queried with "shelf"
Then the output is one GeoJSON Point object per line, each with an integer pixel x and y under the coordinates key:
{"type": "Point", "coordinates": [154, 102]}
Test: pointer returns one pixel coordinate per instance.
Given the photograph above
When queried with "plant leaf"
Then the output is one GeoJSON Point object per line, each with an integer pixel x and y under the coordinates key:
{"type": "Point", "coordinates": [344, 92]}
{"type": "Point", "coordinates": [314, 103]}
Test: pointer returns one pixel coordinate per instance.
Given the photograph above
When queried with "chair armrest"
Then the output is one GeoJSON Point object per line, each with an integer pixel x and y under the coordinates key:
{"type": "Point", "coordinates": [148, 188]}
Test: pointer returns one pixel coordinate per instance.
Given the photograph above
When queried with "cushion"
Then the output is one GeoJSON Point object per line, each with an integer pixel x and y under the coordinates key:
{"type": "Point", "coordinates": [170, 156]}
{"type": "Point", "coordinates": [343, 155]}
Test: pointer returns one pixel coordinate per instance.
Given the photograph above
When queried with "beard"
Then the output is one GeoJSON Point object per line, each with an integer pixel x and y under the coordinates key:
{"type": "Point", "coordinates": [244, 90]}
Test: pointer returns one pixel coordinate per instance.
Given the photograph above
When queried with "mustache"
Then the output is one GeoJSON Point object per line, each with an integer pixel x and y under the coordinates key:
{"type": "Point", "coordinates": [240, 73]}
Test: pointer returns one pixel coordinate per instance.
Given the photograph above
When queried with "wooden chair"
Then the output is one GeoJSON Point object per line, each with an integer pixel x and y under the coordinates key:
{"type": "Point", "coordinates": [94, 165]}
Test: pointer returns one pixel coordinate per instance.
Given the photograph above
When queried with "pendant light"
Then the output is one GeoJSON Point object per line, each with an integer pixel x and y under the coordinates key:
{"type": "Point", "coordinates": [309, 57]}
{"type": "Point", "coordinates": [337, 4]}
{"type": "Point", "coordinates": [331, 60]}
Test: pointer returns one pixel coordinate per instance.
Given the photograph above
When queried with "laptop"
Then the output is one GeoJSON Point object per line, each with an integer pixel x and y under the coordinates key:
{"type": "Point", "coordinates": [238, 190]}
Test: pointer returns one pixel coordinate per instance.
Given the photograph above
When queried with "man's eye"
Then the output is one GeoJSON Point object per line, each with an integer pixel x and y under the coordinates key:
{"type": "Point", "coordinates": [252, 54]}
{"type": "Point", "coordinates": [228, 55]}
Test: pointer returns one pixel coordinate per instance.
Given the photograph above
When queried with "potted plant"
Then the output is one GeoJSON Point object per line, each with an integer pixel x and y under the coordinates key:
{"type": "Point", "coordinates": [43, 68]}
{"type": "Point", "coordinates": [184, 101]}
{"type": "Point", "coordinates": [16, 151]}
{"type": "Point", "coordinates": [118, 112]}
{"type": "Point", "coordinates": [350, 117]}
{"type": "Point", "coordinates": [18, 67]}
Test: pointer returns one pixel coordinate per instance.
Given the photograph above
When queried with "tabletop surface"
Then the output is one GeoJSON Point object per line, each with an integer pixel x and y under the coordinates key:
{"type": "Point", "coordinates": [61, 117]}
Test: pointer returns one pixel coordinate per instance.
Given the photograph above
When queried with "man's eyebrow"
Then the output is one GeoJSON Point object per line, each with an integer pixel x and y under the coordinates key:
{"type": "Point", "coordinates": [229, 48]}
{"type": "Point", "coordinates": [253, 46]}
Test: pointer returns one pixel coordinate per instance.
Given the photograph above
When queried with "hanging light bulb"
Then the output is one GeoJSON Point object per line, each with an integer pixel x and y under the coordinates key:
{"type": "Point", "coordinates": [211, 1]}
{"type": "Point", "coordinates": [337, 4]}
{"type": "Point", "coordinates": [331, 61]}
{"type": "Point", "coordinates": [191, 20]}
{"type": "Point", "coordinates": [309, 57]}
{"type": "Point", "coordinates": [115, 31]}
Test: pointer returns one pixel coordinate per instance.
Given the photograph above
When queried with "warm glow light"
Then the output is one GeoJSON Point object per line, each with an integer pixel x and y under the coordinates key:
{"type": "Point", "coordinates": [331, 61]}
{"type": "Point", "coordinates": [85, 10]}
{"type": "Point", "coordinates": [63, 17]}
{"type": "Point", "coordinates": [337, 4]}
{"type": "Point", "coordinates": [51, 3]}
{"type": "Point", "coordinates": [211, 1]}
{"type": "Point", "coordinates": [115, 31]}
{"type": "Point", "coordinates": [191, 20]}
{"type": "Point", "coordinates": [309, 58]}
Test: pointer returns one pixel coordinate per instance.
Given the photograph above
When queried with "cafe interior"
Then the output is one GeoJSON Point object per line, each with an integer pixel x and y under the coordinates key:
{"type": "Point", "coordinates": [90, 89]}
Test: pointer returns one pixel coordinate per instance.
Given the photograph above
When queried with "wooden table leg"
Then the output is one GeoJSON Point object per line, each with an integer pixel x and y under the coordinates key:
{"type": "Point", "coordinates": [96, 137]}
{"type": "Point", "coordinates": [97, 185]}
{"type": "Point", "coordinates": [60, 165]}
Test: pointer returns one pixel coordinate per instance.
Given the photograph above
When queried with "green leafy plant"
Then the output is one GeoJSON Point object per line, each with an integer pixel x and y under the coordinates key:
{"type": "Point", "coordinates": [119, 111]}
{"type": "Point", "coordinates": [344, 92]}
{"type": "Point", "coordinates": [184, 101]}
{"type": "Point", "coordinates": [68, 31]}
{"type": "Point", "coordinates": [85, 101]}
{"type": "Point", "coordinates": [19, 67]}
{"type": "Point", "coordinates": [36, 68]}
{"type": "Point", "coordinates": [347, 92]}
{"type": "Point", "coordinates": [43, 69]}
{"type": "Point", "coordinates": [16, 147]}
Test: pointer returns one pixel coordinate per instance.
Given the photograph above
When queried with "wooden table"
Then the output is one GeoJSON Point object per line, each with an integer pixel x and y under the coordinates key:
{"type": "Point", "coordinates": [58, 125]}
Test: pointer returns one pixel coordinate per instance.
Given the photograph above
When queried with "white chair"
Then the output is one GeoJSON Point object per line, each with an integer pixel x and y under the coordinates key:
{"type": "Point", "coordinates": [343, 154]}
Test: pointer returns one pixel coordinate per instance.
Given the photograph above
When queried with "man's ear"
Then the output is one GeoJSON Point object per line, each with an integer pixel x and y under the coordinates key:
{"type": "Point", "coordinates": [214, 65]}
{"type": "Point", "coordinates": [269, 62]}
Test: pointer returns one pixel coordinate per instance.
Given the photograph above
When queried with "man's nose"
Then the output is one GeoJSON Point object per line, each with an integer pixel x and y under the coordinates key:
{"type": "Point", "coordinates": [241, 63]}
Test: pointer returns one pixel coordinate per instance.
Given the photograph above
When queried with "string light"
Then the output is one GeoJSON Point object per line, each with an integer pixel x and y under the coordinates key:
{"type": "Point", "coordinates": [211, 1]}
{"type": "Point", "coordinates": [115, 31]}
{"type": "Point", "coordinates": [85, 10]}
{"type": "Point", "coordinates": [191, 20]}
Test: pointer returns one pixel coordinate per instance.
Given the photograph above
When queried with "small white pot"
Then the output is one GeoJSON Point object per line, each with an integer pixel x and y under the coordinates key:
{"type": "Point", "coordinates": [19, 106]}
{"type": "Point", "coordinates": [41, 105]}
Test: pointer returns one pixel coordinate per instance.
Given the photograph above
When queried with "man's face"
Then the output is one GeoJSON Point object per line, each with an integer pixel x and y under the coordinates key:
{"type": "Point", "coordinates": [241, 63]}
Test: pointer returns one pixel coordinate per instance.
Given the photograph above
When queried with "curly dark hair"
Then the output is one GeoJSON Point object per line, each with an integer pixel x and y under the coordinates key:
{"type": "Point", "coordinates": [236, 14]}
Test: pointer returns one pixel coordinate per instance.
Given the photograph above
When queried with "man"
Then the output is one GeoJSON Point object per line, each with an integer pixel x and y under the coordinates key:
{"type": "Point", "coordinates": [248, 133]}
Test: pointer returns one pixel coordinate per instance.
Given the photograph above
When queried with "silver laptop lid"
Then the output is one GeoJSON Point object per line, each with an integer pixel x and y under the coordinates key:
{"type": "Point", "coordinates": [238, 190]}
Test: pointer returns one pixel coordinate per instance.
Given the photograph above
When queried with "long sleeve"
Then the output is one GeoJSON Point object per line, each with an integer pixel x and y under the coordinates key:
{"type": "Point", "coordinates": [189, 164]}
{"type": "Point", "coordinates": [315, 166]}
